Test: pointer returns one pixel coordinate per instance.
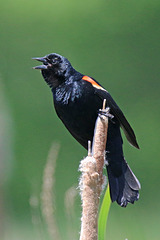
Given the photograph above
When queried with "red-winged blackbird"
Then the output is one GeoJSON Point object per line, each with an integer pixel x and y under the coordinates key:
{"type": "Point", "coordinates": [77, 100]}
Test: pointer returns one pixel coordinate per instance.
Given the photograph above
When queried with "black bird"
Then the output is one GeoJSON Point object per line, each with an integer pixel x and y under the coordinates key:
{"type": "Point", "coordinates": [77, 100]}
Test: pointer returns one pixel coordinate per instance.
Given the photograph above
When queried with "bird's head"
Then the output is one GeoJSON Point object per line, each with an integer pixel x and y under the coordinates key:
{"type": "Point", "coordinates": [55, 69]}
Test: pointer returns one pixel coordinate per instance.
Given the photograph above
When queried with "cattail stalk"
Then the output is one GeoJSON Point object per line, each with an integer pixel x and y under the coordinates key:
{"type": "Point", "coordinates": [47, 199]}
{"type": "Point", "coordinates": [92, 178]}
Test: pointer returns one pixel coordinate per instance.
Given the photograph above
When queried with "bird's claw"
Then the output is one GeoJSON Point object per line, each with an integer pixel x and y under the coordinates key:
{"type": "Point", "coordinates": [105, 112]}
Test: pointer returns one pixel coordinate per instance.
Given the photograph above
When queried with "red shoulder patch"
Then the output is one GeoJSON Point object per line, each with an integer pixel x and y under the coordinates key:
{"type": "Point", "coordinates": [94, 84]}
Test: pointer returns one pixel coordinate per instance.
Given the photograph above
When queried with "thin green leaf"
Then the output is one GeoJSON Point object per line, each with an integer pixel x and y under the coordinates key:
{"type": "Point", "coordinates": [103, 215]}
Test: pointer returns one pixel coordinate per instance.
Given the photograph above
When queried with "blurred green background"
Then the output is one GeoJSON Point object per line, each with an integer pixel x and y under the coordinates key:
{"type": "Point", "coordinates": [117, 43]}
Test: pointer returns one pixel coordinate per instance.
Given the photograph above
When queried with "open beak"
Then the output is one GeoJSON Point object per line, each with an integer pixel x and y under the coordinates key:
{"type": "Point", "coordinates": [43, 60]}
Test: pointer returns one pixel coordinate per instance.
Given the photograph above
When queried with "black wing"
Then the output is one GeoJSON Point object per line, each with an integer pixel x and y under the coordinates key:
{"type": "Point", "coordinates": [116, 111]}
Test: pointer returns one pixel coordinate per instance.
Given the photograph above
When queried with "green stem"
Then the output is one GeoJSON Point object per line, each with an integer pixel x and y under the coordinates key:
{"type": "Point", "coordinates": [103, 215]}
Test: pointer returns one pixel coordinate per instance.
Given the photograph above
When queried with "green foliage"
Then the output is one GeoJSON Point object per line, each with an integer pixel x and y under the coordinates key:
{"type": "Point", "coordinates": [103, 215]}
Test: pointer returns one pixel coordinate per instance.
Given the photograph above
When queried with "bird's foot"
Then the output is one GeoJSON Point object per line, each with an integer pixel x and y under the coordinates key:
{"type": "Point", "coordinates": [105, 112]}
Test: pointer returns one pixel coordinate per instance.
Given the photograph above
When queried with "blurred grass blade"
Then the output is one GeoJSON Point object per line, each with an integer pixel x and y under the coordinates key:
{"type": "Point", "coordinates": [103, 215]}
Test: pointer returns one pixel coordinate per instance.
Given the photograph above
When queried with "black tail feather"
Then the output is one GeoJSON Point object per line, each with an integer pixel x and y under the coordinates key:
{"type": "Point", "coordinates": [124, 186]}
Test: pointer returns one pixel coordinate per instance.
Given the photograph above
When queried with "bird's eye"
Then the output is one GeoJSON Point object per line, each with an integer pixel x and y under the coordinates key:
{"type": "Point", "coordinates": [57, 60]}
